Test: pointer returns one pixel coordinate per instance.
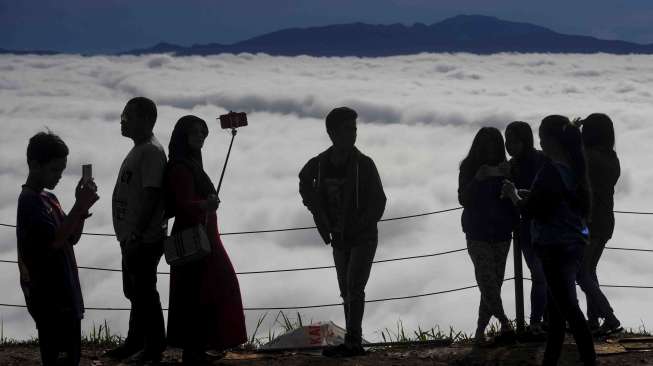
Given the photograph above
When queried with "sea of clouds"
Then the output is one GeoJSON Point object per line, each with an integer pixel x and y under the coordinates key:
{"type": "Point", "coordinates": [418, 115]}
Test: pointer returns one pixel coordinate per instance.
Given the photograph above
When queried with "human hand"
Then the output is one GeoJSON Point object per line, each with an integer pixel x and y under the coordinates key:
{"type": "Point", "coordinates": [212, 202]}
{"type": "Point", "coordinates": [86, 195]}
{"type": "Point", "coordinates": [483, 172]}
{"type": "Point", "coordinates": [85, 183]}
{"type": "Point", "coordinates": [504, 169]}
{"type": "Point", "coordinates": [508, 189]}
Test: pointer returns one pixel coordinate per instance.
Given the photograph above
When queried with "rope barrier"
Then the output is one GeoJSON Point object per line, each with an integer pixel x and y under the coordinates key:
{"type": "Point", "coordinates": [280, 270]}
{"type": "Point", "coordinates": [313, 227]}
{"type": "Point", "coordinates": [339, 304]}
{"type": "Point", "coordinates": [610, 286]}
{"type": "Point", "coordinates": [299, 307]}
{"type": "Point", "coordinates": [293, 228]}
{"type": "Point", "coordinates": [329, 267]}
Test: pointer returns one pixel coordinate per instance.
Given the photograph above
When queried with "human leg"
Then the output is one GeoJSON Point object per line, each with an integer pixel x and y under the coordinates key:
{"type": "Point", "coordinates": [538, 282]}
{"type": "Point", "coordinates": [359, 269]}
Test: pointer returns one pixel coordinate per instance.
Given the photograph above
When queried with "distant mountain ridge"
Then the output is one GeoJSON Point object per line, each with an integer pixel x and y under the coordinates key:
{"type": "Point", "coordinates": [464, 33]}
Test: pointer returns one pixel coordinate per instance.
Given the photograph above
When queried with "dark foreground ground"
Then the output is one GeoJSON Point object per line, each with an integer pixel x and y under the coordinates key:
{"type": "Point", "coordinates": [633, 352]}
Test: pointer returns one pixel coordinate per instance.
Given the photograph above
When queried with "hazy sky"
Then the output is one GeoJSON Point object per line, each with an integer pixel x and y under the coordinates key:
{"type": "Point", "coordinates": [418, 117]}
{"type": "Point", "coordinates": [118, 25]}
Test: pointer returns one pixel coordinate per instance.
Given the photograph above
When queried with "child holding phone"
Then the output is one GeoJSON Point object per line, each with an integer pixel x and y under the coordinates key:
{"type": "Point", "coordinates": [46, 258]}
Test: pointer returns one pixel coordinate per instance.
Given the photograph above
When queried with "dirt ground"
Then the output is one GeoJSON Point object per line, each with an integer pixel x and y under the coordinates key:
{"type": "Point", "coordinates": [614, 353]}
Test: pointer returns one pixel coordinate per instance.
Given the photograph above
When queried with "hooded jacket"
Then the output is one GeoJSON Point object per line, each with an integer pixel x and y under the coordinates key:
{"type": "Point", "coordinates": [603, 170]}
{"type": "Point", "coordinates": [363, 198]}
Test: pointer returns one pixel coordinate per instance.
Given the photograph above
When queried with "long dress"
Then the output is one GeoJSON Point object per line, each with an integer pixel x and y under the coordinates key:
{"type": "Point", "coordinates": [205, 309]}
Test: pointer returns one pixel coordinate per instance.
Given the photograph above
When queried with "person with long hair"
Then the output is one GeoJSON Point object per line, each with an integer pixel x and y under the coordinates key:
{"type": "Point", "coordinates": [488, 221]}
{"type": "Point", "coordinates": [206, 310]}
{"type": "Point", "coordinates": [603, 171]}
{"type": "Point", "coordinates": [526, 161]}
{"type": "Point", "coordinates": [559, 202]}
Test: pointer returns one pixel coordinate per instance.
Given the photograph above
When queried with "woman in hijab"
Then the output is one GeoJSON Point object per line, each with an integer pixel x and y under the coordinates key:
{"type": "Point", "coordinates": [206, 311]}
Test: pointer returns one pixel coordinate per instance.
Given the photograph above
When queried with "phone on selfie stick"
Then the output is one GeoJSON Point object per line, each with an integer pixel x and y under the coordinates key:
{"type": "Point", "coordinates": [231, 120]}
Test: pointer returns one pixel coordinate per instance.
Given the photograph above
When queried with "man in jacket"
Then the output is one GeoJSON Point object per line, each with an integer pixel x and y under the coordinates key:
{"type": "Point", "coordinates": [342, 189]}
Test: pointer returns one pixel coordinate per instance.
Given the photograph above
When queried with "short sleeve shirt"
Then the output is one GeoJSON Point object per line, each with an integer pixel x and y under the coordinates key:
{"type": "Point", "coordinates": [143, 168]}
{"type": "Point", "coordinates": [48, 276]}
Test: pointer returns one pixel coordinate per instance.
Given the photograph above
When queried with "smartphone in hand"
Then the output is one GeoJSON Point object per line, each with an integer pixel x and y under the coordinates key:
{"type": "Point", "coordinates": [87, 172]}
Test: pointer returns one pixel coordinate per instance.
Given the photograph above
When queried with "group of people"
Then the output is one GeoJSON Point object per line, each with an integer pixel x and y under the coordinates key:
{"type": "Point", "coordinates": [544, 198]}
{"type": "Point", "coordinates": [557, 205]}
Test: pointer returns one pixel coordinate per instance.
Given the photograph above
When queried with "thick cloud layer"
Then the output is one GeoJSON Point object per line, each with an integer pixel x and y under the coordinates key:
{"type": "Point", "coordinates": [419, 114]}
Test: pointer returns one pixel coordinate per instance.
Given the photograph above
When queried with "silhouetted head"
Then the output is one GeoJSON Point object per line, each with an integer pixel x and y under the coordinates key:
{"type": "Point", "coordinates": [559, 136]}
{"type": "Point", "coordinates": [487, 149]}
{"type": "Point", "coordinates": [185, 146]}
{"type": "Point", "coordinates": [47, 157]}
{"type": "Point", "coordinates": [138, 118]}
{"type": "Point", "coordinates": [598, 132]}
{"type": "Point", "coordinates": [341, 127]}
{"type": "Point", "coordinates": [188, 138]}
{"type": "Point", "coordinates": [519, 139]}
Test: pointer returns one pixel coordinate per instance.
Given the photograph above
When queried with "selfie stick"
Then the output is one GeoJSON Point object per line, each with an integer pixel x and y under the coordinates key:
{"type": "Point", "coordinates": [233, 135]}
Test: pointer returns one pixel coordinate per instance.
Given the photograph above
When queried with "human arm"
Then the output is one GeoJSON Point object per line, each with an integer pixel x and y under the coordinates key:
{"type": "Point", "coordinates": [77, 232]}
{"type": "Point", "coordinates": [544, 197]}
{"type": "Point", "coordinates": [375, 198]}
{"type": "Point", "coordinates": [181, 185]}
{"type": "Point", "coordinates": [308, 181]}
{"type": "Point", "coordinates": [469, 183]}
{"type": "Point", "coordinates": [69, 232]}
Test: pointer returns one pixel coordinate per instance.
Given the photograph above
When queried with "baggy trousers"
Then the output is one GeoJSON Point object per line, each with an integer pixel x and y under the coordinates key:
{"type": "Point", "coordinates": [598, 305]}
{"type": "Point", "coordinates": [353, 266]}
{"type": "Point", "coordinates": [146, 324]}
{"type": "Point", "coordinates": [489, 268]}
{"type": "Point", "coordinates": [561, 263]}
{"type": "Point", "coordinates": [538, 280]}
{"type": "Point", "coordinates": [59, 333]}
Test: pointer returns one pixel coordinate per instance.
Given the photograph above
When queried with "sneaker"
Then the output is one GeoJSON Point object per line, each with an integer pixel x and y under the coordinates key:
{"type": "Point", "coordinates": [479, 335]}
{"type": "Point", "coordinates": [355, 350]}
{"type": "Point", "coordinates": [343, 350]}
{"type": "Point", "coordinates": [536, 329]}
{"type": "Point", "coordinates": [121, 352]}
{"type": "Point", "coordinates": [609, 327]}
{"type": "Point", "coordinates": [145, 358]}
{"type": "Point", "coordinates": [334, 351]}
{"type": "Point", "coordinates": [194, 358]}
{"type": "Point", "coordinates": [506, 337]}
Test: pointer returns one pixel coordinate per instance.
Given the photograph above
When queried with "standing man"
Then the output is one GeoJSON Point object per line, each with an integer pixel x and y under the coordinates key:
{"type": "Point", "coordinates": [342, 189]}
{"type": "Point", "coordinates": [138, 220]}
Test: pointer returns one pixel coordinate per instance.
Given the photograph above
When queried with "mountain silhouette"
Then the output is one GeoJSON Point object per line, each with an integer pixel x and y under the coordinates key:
{"type": "Point", "coordinates": [463, 33]}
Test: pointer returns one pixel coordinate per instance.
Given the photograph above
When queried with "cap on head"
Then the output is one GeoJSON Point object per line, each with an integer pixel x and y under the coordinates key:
{"type": "Point", "coordinates": [339, 115]}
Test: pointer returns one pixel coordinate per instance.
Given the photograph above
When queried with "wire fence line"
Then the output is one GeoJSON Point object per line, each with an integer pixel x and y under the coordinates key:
{"type": "Point", "coordinates": [281, 270]}
{"type": "Point", "coordinates": [299, 307]}
{"type": "Point", "coordinates": [313, 227]}
{"type": "Point", "coordinates": [293, 228]}
{"type": "Point", "coordinates": [328, 267]}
